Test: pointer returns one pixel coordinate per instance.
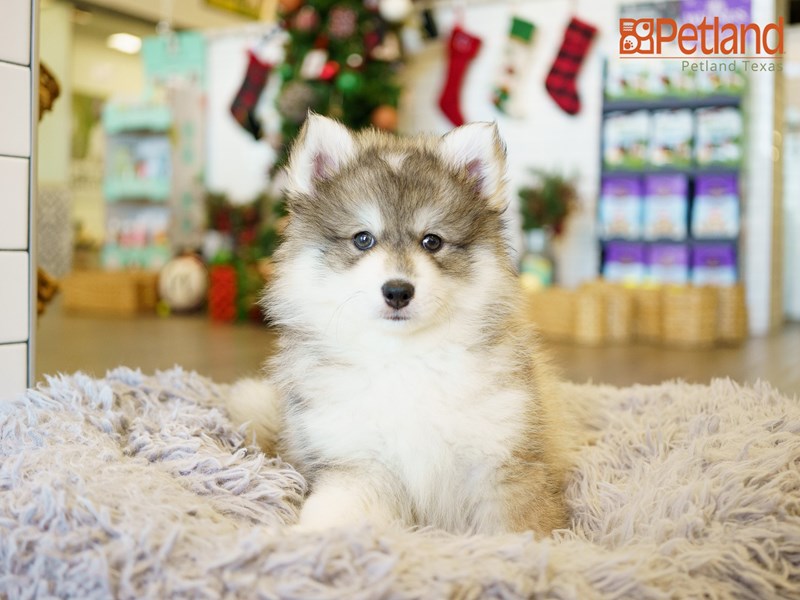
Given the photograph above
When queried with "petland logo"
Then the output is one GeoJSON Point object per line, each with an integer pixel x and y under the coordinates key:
{"type": "Point", "coordinates": [709, 39]}
{"type": "Point", "coordinates": [706, 39]}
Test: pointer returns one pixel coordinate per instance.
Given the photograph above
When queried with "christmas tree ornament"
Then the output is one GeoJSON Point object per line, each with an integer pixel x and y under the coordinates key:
{"type": "Point", "coordinates": [286, 7]}
{"type": "Point", "coordinates": [286, 71]}
{"type": "Point", "coordinates": [354, 61]}
{"type": "Point", "coordinates": [342, 22]}
{"type": "Point", "coordinates": [561, 81]}
{"type": "Point", "coordinates": [517, 57]}
{"type": "Point", "coordinates": [313, 63]}
{"type": "Point", "coordinates": [244, 103]}
{"type": "Point", "coordinates": [395, 11]}
{"type": "Point", "coordinates": [348, 82]}
{"type": "Point", "coordinates": [306, 19]}
{"type": "Point", "coordinates": [295, 100]}
{"type": "Point", "coordinates": [329, 71]}
{"type": "Point", "coordinates": [463, 47]}
{"type": "Point", "coordinates": [389, 48]}
{"type": "Point", "coordinates": [385, 117]}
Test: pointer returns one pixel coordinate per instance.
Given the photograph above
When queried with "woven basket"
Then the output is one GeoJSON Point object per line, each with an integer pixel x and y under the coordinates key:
{"type": "Point", "coordinates": [118, 293]}
{"type": "Point", "coordinates": [647, 314]}
{"type": "Point", "coordinates": [690, 316]}
{"type": "Point", "coordinates": [619, 309]}
{"type": "Point", "coordinates": [590, 316]}
{"type": "Point", "coordinates": [552, 310]}
{"type": "Point", "coordinates": [731, 314]}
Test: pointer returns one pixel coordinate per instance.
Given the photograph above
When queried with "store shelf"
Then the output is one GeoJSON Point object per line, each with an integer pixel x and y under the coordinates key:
{"type": "Point", "coordinates": [154, 190]}
{"type": "Point", "coordinates": [686, 240]}
{"type": "Point", "coordinates": [670, 103]}
{"type": "Point", "coordinates": [690, 171]}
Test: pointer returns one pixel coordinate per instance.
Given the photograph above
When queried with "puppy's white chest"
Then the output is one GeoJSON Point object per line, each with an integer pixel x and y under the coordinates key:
{"type": "Point", "coordinates": [434, 422]}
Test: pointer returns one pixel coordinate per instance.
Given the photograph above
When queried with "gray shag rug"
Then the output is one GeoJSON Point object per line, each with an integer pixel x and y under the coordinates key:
{"type": "Point", "coordinates": [137, 486]}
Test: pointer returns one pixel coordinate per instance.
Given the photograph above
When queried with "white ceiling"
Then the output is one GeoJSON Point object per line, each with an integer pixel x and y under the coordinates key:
{"type": "Point", "coordinates": [186, 14]}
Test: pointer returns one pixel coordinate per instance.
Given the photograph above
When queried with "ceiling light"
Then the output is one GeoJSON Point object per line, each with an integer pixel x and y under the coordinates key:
{"type": "Point", "coordinates": [124, 42]}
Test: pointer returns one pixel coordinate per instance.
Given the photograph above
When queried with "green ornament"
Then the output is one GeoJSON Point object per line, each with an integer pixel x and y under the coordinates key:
{"type": "Point", "coordinates": [286, 71]}
{"type": "Point", "coordinates": [348, 82]}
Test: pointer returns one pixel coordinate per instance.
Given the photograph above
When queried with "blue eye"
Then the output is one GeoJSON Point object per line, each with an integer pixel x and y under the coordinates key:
{"type": "Point", "coordinates": [432, 243]}
{"type": "Point", "coordinates": [364, 240]}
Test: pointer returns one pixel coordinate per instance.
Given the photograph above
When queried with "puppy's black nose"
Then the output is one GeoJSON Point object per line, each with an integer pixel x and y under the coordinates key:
{"type": "Point", "coordinates": [397, 293]}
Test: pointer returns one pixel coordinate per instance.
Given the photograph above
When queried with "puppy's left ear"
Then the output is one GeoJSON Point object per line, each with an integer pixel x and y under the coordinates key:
{"type": "Point", "coordinates": [476, 150]}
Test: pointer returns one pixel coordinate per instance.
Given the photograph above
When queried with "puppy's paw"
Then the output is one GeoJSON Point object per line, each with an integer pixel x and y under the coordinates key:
{"type": "Point", "coordinates": [255, 403]}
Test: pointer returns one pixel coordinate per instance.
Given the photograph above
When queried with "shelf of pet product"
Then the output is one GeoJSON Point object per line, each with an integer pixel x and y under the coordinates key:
{"type": "Point", "coordinates": [669, 209]}
{"type": "Point", "coordinates": [137, 185]}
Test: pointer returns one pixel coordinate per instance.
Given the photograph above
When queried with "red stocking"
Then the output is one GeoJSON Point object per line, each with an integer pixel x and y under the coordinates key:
{"type": "Point", "coordinates": [560, 82]}
{"type": "Point", "coordinates": [463, 48]}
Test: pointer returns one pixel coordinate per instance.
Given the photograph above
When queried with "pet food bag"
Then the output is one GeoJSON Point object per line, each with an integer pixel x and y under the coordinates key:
{"type": "Point", "coordinates": [621, 207]}
{"type": "Point", "coordinates": [719, 137]}
{"type": "Point", "coordinates": [665, 207]}
{"type": "Point", "coordinates": [671, 142]}
{"type": "Point", "coordinates": [624, 262]}
{"type": "Point", "coordinates": [667, 263]}
{"type": "Point", "coordinates": [716, 207]}
{"type": "Point", "coordinates": [625, 140]}
{"type": "Point", "coordinates": [714, 264]}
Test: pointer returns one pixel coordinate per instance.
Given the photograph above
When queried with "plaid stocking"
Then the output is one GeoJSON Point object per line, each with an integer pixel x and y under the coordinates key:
{"type": "Point", "coordinates": [244, 104]}
{"type": "Point", "coordinates": [560, 82]}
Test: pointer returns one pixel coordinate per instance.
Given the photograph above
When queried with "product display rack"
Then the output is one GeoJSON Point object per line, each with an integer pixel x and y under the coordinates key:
{"type": "Point", "coordinates": [691, 172]}
{"type": "Point", "coordinates": [137, 186]}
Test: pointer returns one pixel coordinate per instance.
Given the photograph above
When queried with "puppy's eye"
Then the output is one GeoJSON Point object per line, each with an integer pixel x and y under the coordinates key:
{"type": "Point", "coordinates": [432, 242]}
{"type": "Point", "coordinates": [364, 240]}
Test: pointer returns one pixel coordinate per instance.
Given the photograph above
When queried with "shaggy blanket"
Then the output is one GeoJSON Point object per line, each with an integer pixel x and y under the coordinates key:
{"type": "Point", "coordinates": [139, 487]}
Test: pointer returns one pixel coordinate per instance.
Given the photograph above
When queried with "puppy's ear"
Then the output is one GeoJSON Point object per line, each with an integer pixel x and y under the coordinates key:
{"type": "Point", "coordinates": [477, 151]}
{"type": "Point", "coordinates": [322, 148]}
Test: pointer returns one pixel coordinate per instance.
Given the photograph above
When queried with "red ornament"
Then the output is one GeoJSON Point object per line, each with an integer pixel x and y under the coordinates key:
{"type": "Point", "coordinates": [329, 71]}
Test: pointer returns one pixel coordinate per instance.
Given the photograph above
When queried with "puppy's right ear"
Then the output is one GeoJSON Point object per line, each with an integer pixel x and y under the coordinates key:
{"type": "Point", "coordinates": [322, 148]}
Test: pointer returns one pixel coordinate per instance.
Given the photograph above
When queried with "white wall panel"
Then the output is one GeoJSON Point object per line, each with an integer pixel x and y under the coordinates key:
{"type": "Point", "coordinates": [15, 109]}
{"type": "Point", "coordinates": [15, 31]}
{"type": "Point", "coordinates": [13, 369]}
{"type": "Point", "coordinates": [14, 297]}
{"type": "Point", "coordinates": [14, 203]}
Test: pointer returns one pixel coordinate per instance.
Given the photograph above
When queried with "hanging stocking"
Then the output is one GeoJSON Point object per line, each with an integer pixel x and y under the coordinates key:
{"type": "Point", "coordinates": [560, 82]}
{"type": "Point", "coordinates": [463, 48]}
{"type": "Point", "coordinates": [517, 58]}
{"type": "Point", "coordinates": [244, 104]}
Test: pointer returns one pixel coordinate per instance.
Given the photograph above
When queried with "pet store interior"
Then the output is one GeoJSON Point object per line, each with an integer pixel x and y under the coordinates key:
{"type": "Point", "coordinates": [654, 204]}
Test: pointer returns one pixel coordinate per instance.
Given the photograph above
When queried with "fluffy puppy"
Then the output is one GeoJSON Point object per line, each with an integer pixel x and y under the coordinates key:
{"type": "Point", "coordinates": [407, 386]}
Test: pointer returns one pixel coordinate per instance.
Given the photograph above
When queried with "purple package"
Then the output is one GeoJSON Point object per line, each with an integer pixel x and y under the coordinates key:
{"type": "Point", "coordinates": [621, 185]}
{"type": "Point", "coordinates": [668, 263]}
{"type": "Point", "coordinates": [716, 207]}
{"type": "Point", "coordinates": [716, 185]}
{"type": "Point", "coordinates": [666, 206]}
{"type": "Point", "coordinates": [624, 262]}
{"type": "Point", "coordinates": [714, 264]}
{"type": "Point", "coordinates": [621, 207]}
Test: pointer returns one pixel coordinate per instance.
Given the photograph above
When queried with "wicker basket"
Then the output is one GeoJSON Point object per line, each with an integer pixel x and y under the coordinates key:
{"type": "Point", "coordinates": [123, 293]}
{"type": "Point", "coordinates": [553, 312]}
{"type": "Point", "coordinates": [647, 314]}
{"type": "Point", "coordinates": [618, 308]}
{"type": "Point", "coordinates": [731, 314]}
{"type": "Point", "coordinates": [690, 316]}
{"type": "Point", "coordinates": [590, 316]}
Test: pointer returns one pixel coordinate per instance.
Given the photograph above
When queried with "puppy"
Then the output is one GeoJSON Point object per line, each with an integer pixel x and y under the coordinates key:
{"type": "Point", "coordinates": [407, 386]}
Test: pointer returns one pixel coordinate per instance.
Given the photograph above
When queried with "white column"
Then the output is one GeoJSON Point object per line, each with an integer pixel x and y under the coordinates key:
{"type": "Point", "coordinates": [18, 113]}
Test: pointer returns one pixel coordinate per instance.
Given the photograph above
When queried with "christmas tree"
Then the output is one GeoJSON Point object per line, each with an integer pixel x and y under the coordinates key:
{"type": "Point", "coordinates": [342, 59]}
